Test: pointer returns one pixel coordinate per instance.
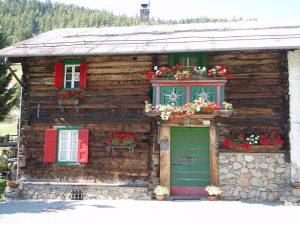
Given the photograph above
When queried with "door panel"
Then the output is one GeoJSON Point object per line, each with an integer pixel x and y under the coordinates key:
{"type": "Point", "coordinates": [190, 160]}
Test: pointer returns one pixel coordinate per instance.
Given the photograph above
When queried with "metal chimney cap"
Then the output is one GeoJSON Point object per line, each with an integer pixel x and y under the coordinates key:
{"type": "Point", "coordinates": [145, 4]}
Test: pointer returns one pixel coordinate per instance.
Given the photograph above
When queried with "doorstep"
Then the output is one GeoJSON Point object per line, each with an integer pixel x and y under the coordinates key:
{"type": "Point", "coordinates": [189, 198]}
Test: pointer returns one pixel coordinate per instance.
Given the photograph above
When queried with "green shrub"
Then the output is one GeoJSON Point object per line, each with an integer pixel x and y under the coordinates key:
{"type": "Point", "coordinates": [2, 186]}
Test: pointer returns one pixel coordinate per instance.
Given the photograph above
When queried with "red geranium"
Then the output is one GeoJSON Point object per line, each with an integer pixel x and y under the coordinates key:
{"type": "Point", "coordinates": [76, 94]}
{"type": "Point", "coordinates": [124, 139]}
{"type": "Point", "coordinates": [243, 141]}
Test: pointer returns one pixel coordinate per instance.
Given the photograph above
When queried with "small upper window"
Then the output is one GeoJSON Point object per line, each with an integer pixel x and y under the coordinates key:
{"type": "Point", "coordinates": [72, 76]}
{"type": "Point", "coordinates": [70, 73]}
{"type": "Point", "coordinates": [188, 62]}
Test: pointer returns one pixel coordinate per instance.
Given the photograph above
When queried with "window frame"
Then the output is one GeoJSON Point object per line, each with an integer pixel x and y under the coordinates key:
{"type": "Point", "coordinates": [73, 74]}
{"type": "Point", "coordinates": [69, 128]}
{"type": "Point", "coordinates": [201, 57]}
{"type": "Point", "coordinates": [71, 62]}
{"type": "Point", "coordinates": [71, 136]}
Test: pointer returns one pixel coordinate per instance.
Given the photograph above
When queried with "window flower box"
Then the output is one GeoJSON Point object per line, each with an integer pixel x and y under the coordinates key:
{"type": "Point", "coordinates": [199, 106]}
{"type": "Point", "coordinates": [264, 142]}
{"type": "Point", "coordinates": [68, 102]}
{"type": "Point", "coordinates": [111, 148]}
{"type": "Point", "coordinates": [121, 140]}
{"type": "Point", "coordinates": [70, 98]}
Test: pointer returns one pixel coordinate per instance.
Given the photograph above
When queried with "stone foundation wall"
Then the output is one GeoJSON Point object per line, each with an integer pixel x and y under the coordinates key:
{"type": "Point", "coordinates": [62, 191]}
{"type": "Point", "coordinates": [255, 176]}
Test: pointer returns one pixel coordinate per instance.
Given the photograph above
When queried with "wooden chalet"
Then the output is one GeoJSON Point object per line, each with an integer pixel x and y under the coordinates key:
{"type": "Point", "coordinates": [82, 84]}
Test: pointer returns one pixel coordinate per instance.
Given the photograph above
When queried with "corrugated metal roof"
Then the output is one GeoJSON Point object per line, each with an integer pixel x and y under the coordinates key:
{"type": "Point", "coordinates": [159, 39]}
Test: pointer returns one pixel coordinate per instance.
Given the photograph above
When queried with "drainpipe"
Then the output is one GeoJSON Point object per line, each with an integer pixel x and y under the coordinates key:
{"type": "Point", "coordinates": [7, 64]}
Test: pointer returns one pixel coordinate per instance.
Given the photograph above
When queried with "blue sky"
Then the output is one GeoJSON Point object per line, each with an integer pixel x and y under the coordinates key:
{"type": "Point", "coordinates": [263, 10]}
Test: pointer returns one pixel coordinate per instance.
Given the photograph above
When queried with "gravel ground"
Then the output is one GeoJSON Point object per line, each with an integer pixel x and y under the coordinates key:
{"type": "Point", "coordinates": [145, 212]}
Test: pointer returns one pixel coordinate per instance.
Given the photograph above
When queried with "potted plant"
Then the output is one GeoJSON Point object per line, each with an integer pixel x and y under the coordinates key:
{"type": "Point", "coordinates": [161, 192]}
{"type": "Point", "coordinates": [213, 192]}
{"type": "Point", "coordinates": [11, 184]}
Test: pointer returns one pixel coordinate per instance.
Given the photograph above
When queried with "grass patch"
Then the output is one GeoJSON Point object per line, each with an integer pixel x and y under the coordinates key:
{"type": "Point", "coordinates": [8, 128]}
{"type": "Point", "coordinates": [2, 186]}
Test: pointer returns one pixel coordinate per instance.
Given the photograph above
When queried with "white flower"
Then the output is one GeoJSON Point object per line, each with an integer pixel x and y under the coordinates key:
{"type": "Point", "coordinates": [213, 190]}
{"type": "Point", "coordinates": [161, 190]}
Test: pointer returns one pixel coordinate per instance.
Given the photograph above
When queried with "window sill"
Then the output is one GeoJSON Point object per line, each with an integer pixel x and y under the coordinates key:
{"type": "Point", "coordinates": [67, 164]}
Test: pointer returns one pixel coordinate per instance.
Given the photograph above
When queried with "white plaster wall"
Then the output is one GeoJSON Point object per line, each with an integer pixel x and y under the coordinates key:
{"type": "Point", "coordinates": [294, 91]}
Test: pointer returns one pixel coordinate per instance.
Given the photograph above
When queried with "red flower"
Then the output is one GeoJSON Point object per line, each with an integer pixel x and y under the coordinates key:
{"type": "Point", "coordinates": [241, 136]}
{"type": "Point", "coordinates": [109, 140]}
{"type": "Point", "coordinates": [228, 75]}
{"type": "Point", "coordinates": [245, 145]}
{"type": "Point", "coordinates": [227, 143]}
{"type": "Point", "coordinates": [150, 75]}
{"type": "Point", "coordinates": [173, 117]}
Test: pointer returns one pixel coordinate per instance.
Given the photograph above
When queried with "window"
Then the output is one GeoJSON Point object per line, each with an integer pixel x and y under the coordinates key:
{"type": "Point", "coordinates": [70, 74]}
{"type": "Point", "coordinates": [188, 59]}
{"type": "Point", "coordinates": [66, 144]}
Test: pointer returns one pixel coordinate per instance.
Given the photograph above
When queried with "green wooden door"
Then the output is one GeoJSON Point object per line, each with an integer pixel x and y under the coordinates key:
{"type": "Point", "coordinates": [190, 160]}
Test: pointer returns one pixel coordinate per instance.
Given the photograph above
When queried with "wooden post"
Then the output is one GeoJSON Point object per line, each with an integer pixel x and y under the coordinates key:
{"type": "Point", "coordinates": [165, 158]}
{"type": "Point", "coordinates": [214, 168]}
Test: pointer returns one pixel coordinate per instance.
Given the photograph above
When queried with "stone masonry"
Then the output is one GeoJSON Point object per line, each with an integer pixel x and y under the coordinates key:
{"type": "Point", "coordinates": [62, 191]}
{"type": "Point", "coordinates": [253, 176]}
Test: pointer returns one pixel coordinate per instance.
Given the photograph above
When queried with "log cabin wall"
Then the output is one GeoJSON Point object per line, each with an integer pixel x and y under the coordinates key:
{"type": "Point", "coordinates": [258, 90]}
{"type": "Point", "coordinates": [115, 95]}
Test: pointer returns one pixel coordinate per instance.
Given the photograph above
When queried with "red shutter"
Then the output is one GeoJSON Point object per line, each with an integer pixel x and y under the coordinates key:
{"type": "Point", "coordinates": [83, 68]}
{"type": "Point", "coordinates": [50, 145]}
{"type": "Point", "coordinates": [83, 145]}
{"type": "Point", "coordinates": [59, 75]}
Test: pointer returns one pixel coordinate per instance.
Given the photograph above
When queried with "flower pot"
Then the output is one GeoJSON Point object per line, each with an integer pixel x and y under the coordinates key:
{"type": "Point", "coordinates": [212, 197]}
{"type": "Point", "coordinates": [222, 113]}
{"type": "Point", "coordinates": [12, 184]}
{"type": "Point", "coordinates": [261, 148]}
{"type": "Point", "coordinates": [69, 102]}
{"type": "Point", "coordinates": [161, 197]}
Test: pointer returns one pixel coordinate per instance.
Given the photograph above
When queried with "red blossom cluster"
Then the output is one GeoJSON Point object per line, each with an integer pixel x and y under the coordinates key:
{"type": "Point", "coordinates": [241, 142]}
{"type": "Point", "coordinates": [116, 138]}
{"type": "Point", "coordinates": [218, 71]}
{"type": "Point", "coordinates": [76, 94]}
{"type": "Point", "coordinates": [177, 72]}
{"type": "Point", "coordinates": [271, 139]}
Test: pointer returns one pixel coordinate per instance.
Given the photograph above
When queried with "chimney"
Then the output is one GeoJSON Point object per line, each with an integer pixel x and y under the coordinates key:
{"type": "Point", "coordinates": [144, 12]}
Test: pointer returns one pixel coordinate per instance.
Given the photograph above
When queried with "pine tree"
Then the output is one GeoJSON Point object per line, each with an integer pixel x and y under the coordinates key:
{"type": "Point", "coordinates": [8, 96]}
